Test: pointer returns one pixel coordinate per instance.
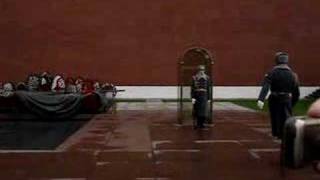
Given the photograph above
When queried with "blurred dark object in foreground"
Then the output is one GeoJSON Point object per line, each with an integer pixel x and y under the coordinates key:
{"type": "Point", "coordinates": [301, 142]}
{"type": "Point", "coordinates": [314, 95]}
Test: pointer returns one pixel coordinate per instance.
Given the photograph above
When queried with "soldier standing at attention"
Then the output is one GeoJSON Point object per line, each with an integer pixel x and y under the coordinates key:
{"type": "Point", "coordinates": [284, 86]}
{"type": "Point", "coordinates": [200, 96]}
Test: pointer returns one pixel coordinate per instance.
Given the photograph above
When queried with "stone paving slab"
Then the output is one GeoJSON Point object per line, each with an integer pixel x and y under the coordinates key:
{"type": "Point", "coordinates": [159, 105]}
{"type": "Point", "coordinates": [150, 145]}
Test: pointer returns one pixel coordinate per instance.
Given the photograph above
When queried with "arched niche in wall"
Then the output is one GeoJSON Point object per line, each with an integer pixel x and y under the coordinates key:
{"type": "Point", "coordinates": [187, 67]}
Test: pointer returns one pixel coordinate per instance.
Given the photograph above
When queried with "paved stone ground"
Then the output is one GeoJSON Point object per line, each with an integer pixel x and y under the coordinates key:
{"type": "Point", "coordinates": [155, 105]}
{"type": "Point", "coordinates": [147, 144]}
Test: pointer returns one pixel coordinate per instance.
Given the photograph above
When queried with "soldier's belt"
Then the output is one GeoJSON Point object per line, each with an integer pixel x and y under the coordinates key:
{"type": "Point", "coordinates": [202, 90]}
{"type": "Point", "coordinates": [281, 94]}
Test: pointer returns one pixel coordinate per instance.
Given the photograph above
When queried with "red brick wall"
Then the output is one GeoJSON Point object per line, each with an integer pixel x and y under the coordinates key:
{"type": "Point", "coordinates": [139, 42]}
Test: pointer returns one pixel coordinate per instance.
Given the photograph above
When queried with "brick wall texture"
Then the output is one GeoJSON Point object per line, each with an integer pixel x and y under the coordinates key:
{"type": "Point", "coordinates": [139, 42]}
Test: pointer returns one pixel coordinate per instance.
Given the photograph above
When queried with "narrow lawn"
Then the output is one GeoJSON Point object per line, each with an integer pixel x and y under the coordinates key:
{"type": "Point", "coordinates": [300, 109]}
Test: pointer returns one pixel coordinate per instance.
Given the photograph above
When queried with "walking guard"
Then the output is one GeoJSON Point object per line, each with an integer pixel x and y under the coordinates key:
{"type": "Point", "coordinates": [200, 96]}
{"type": "Point", "coordinates": [284, 86]}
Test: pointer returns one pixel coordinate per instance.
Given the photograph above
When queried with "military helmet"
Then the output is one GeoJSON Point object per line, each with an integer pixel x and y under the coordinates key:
{"type": "Point", "coordinates": [282, 58]}
{"type": "Point", "coordinates": [201, 68]}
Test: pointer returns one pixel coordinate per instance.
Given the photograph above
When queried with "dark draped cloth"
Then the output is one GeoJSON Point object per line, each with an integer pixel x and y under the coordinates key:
{"type": "Point", "coordinates": [50, 105]}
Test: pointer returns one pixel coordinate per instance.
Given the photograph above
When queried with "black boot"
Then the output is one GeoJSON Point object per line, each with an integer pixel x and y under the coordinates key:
{"type": "Point", "coordinates": [201, 122]}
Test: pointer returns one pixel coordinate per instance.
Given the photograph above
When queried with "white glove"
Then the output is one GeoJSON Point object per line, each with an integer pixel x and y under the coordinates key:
{"type": "Point", "coordinates": [260, 104]}
{"type": "Point", "coordinates": [193, 100]}
{"type": "Point", "coordinates": [209, 101]}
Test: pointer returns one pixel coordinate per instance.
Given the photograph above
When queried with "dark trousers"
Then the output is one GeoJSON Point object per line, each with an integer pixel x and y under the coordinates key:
{"type": "Point", "coordinates": [200, 108]}
{"type": "Point", "coordinates": [280, 110]}
{"type": "Point", "coordinates": [200, 121]}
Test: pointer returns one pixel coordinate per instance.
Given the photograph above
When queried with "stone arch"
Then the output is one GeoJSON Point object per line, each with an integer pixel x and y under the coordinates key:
{"type": "Point", "coordinates": [187, 67]}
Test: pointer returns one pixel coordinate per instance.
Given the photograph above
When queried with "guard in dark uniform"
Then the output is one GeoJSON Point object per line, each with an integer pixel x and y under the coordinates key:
{"type": "Point", "coordinates": [284, 86]}
{"type": "Point", "coordinates": [201, 95]}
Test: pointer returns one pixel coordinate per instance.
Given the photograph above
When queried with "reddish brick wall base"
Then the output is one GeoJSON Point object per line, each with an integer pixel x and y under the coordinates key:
{"type": "Point", "coordinates": [139, 42]}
